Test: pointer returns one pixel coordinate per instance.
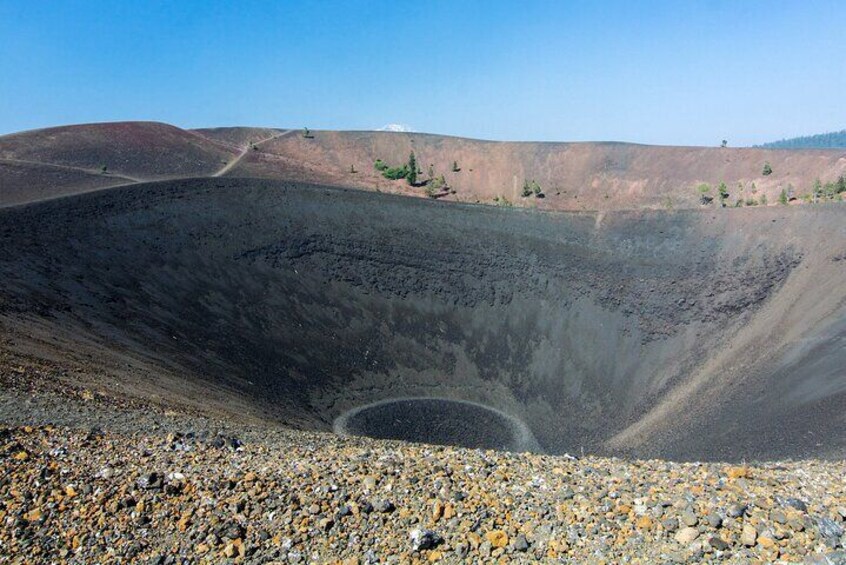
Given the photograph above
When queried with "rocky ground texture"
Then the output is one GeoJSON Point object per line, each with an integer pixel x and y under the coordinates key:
{"type": "Point", "coordinates": [112, 481]}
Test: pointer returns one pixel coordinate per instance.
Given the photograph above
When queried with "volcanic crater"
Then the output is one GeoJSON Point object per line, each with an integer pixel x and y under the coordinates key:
{"type": "Point", "coordinates": [681, 334]}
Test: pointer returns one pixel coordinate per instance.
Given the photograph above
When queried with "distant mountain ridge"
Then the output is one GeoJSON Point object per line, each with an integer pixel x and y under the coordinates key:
{"type": "Point", "coordinates": [830, 140]}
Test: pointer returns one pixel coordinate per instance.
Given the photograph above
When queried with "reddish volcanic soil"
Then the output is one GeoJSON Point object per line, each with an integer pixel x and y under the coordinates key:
{"type": "Point", "coordinates": [573, 176]}
{"type": "Point", "coordinates": [141, 151]}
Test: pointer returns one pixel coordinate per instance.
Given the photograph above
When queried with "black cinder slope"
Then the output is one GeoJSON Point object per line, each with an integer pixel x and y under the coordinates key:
{"type": "Point", "coordinates": [677, 334]}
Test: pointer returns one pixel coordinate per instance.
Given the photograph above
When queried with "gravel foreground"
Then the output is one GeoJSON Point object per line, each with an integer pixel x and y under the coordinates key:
{"type": "Point", "coordinates": [113, 481]}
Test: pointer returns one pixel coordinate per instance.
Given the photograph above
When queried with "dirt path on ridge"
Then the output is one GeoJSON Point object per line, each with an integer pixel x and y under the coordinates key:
{"type": "Point", "coordinates": [228, 167]}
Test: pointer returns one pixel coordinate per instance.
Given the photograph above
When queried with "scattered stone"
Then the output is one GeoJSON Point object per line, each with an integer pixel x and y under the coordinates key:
{"type": "Point", "coordinates": [422, 540]}
{"type": "Point", "coordinates": [437, 510]}
{"type": "Point", "coordinates": [688, 518]}
{"type": "Point", "coordinates": [718, 543]}
{"type": "Point", "coordinates": [748, 536]}
{"type": "Point", "coordinates": [497, 538]}
{"type": "Point", "coordinates": [796, 503]}
{"type": "Point", "coordinates": [449, 512]}
{"type": "Point", "coordinates": [714, 520]}
{"type": "Point", "coordinates": [384, 506]}
{"type": "Point", "coordinates": [833, 558]}
{"type": "Point", "coordinates": [326, 524]}
{"type": "Point", "coordinates": [150, 481]}
{"type": "Point", "coordinates": [738, 472]}
{"type": "Point", "coordinates": [297, 497]}
{"type": "Point", "coordinates": [670, 524]}
{"type": "Point", "coordinates": [521, 544]}
{"type": "Point", "coordinates": [766, 540]}
{"type": "Point", "coordinates": [830, 531]}
{"type": "Point", "coordinates": [686, 535]}
{"type": "Point", "coordinates": [736, 510]}
{"type": "Point", "coordinates": [105, 473]}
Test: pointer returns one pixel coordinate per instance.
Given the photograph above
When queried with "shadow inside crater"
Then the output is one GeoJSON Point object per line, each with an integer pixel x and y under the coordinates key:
{"type": "Point", "coordinates": [438, 421]}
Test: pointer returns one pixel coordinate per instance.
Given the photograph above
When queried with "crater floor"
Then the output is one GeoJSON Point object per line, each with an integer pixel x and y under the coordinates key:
{"type": "Point", "coordinates": [438, 421]}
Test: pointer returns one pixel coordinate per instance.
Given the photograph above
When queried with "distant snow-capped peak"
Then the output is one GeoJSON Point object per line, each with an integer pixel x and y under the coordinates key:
{"type": "Point", "coordinates": [396, 127]}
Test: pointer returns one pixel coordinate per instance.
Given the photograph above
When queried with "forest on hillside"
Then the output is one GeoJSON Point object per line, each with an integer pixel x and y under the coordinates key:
{"type": "Point", "coordinates": [834, 139]}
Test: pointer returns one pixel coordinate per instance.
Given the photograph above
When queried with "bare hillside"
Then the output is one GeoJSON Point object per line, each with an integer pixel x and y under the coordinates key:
{"type": "Point", "coordinates": [138, 150]}
{"type": "Point", "coordinates": [571, 176]}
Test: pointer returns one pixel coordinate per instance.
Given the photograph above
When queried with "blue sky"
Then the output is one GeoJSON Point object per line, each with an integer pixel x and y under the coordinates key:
{"type": "Point", "coordinates": [676, 73]}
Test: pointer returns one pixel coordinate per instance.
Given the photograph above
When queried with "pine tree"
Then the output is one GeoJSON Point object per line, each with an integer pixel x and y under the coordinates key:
{"type": "Point", "coordinates": [723, 193]}
{"type": "Point", "coordinates": [818, 190]}
{"type": "Point", "coordinates": [411, 177]}
{"type": "Point", "coordinates": [536, 188]}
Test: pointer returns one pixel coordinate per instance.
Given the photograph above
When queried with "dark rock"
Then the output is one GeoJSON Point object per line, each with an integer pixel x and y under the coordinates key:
{"type": "Point", "coordinates": [736, 510]}
{"type": "Point", "coordinates": [150, 481]}
{"type": "Point", "coordinates": [833, 558]}
{"type": "Point", "coordinates": [688, 517]}
{"type": "Point", "coordinates": [795, 503]}
{"type": "Point", "coordinates": [718, 543]}
{"type": "Point", "coordinates": [670, 524]}
{"type": "Point", "coordinates": [233, 531]}
{"type": "Point", "coordinates": [566, 494]}
{"type": "Point", "coordinates": [714, 520]}
{"type": "Point", "coordinates": [384, 506]}
{"type": "Point", "coordinates": [422, 540]}
{"type": "Point", "coordinates": [830, 531]}
{"type": "Point", "coordinates": [326, 524]}
{"type": "Point", "coordinates": [521, 544]}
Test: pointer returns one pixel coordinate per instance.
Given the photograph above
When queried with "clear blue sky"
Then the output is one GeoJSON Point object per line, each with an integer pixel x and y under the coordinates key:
{"type": "Point", "coordinates": [687, 73]}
